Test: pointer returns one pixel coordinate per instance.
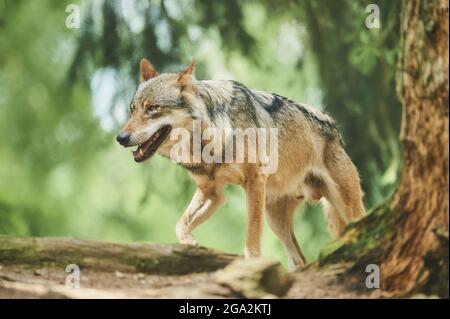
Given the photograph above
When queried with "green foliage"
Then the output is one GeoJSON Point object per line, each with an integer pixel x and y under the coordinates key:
{"type": "Point", "coordinates": [63, 93]}
{"type": "Point", "coordinates": [357, 68]}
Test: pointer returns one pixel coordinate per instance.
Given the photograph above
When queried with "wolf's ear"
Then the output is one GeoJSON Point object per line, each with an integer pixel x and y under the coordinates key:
{"type": "Point", "coordinates": [187, 74]}
{"type": "Point", "coordinates": [147, 70]}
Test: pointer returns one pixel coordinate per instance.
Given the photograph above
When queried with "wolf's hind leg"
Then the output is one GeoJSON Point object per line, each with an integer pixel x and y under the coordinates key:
{"type": "Point", "coordinates": [339, 209]}
{"type": "Point", "coordinates": [206, 201]}
{"type": "Point", "coordinates": [343, 190]}
{"type": "Point", "coordinates": [280, 216]}
{"type": "Point", "coordinates": [335, 223]}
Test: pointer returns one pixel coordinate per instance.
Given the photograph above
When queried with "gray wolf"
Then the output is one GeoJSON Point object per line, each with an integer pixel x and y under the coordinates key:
{"type": "Point", "coordinates": [312, 162]}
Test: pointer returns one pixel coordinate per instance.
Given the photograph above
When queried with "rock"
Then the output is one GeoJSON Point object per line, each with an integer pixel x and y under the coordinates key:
{"type": "Point", "coordinates": [40, 272]}
{"type": "Point", "coordinates": [255, 278]}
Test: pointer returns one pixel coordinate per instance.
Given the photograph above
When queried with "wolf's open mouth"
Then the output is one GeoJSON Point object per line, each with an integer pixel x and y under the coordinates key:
{"type": "Point", "coordinates": [149, 147]}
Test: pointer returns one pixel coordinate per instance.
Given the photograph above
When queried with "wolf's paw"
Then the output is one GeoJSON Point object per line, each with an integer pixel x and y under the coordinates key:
{"type": "Point", "coordinates": [251, 253]}
{"type": "Point", "coordinates": [294, 268]}
{"type": "Point", "coordinates": [188, 239]}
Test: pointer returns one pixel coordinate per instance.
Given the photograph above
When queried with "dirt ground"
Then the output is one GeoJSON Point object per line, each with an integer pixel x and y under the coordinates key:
{"type": "Point", "coordinates": [30, 268]}
{"type": "Point", "coordinates": [20, 282]}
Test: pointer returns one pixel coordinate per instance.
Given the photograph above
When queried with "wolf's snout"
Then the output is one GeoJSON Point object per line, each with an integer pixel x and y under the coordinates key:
{"type": "Point", "coordinates": [123, 138]}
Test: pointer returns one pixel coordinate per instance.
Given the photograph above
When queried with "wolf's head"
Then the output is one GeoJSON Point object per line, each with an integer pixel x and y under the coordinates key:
{"type": "Point", "coordinates": [160, 103]}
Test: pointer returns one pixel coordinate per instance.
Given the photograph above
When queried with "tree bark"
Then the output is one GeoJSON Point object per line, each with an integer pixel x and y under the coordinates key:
{"type": "Point", "coordinates": [420, 203]}
{"type": "Point", "coordinates": [408, 235]}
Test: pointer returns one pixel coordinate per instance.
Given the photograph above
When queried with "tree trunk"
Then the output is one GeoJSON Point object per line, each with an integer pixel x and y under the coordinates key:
{"type": "Point", "coordinates": [421, 200]}
{"type": "Point", "coordinates": [408, 235]}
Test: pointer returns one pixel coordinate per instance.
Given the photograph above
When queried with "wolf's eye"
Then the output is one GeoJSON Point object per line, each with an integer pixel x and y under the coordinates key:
{"type": "Point", "coordinates": [151, 108]}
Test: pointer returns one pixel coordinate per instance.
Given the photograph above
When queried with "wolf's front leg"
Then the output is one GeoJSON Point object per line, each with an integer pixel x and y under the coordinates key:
{"type": "Point", "coordinates": [205, 202]}
{"type": "Point", "coordinates": [255, 188]}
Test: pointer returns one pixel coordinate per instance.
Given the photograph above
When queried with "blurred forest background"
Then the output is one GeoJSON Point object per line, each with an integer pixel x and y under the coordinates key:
{"type": "Point", "coordinates": [64, 95]}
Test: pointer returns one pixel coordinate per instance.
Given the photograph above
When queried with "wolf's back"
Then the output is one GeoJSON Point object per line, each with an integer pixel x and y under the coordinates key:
{"type": "Point", "coordinates": [240, 106]}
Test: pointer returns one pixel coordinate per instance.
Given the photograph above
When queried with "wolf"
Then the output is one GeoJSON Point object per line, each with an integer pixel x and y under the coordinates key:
{"type": "Point", "coordinates": [312, 163]}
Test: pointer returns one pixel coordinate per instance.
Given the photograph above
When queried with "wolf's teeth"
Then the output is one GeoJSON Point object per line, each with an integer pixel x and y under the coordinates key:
{"type": "Point", "coordinates": [141, 152]}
